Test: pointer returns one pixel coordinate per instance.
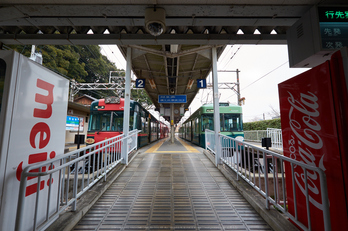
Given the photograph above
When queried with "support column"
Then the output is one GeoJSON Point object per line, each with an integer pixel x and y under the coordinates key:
{"type": "Point", "coordinates": [126, 105]}
{"type": "Point", "coordinates": [172, 132]}
{"type": "Point", "coordinates": [238, 89]}
{"type": "Point", "coordinates": [216, 107]}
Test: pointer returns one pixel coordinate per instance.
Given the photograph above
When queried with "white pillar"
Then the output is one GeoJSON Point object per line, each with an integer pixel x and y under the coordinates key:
{"type": "Point", "coordinates": [172, 132]}
{"type": "Point", "coordinates": [127, 105]}
{"type": "Point", "coordinates": [216, 107]}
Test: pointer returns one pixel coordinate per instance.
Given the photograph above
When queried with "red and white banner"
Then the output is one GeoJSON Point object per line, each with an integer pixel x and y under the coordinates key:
{"type": "Point", "coordinates": [35, 117]}
{"type": "Point", "coordinates": [311, 135]}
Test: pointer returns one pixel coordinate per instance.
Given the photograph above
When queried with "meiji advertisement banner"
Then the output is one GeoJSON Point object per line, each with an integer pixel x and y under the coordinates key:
{"type": "Point", "coordinates": [36, 133]}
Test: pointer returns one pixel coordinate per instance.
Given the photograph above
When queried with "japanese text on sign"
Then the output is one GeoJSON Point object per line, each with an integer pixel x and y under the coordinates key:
{"type": "Point", "coordinates": [333, 14]}
{"type": "Point", "coordinates": [172, 99]}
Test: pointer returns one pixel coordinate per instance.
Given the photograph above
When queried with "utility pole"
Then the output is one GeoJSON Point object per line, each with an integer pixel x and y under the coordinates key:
{"type": "Point", "coordinates": [227, 85]}
{"type": "Point", "coordinates": [238, 89]}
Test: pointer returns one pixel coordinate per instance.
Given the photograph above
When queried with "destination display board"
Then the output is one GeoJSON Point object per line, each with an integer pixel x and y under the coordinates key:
{"type": "Point", "coordinates": [172, 99]}
{"type": "Point", "coordinates": [333, 23]}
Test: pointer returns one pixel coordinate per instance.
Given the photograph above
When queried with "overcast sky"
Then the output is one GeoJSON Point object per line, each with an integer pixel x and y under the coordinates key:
{"type": "Point", "coordinates": [262, 68]}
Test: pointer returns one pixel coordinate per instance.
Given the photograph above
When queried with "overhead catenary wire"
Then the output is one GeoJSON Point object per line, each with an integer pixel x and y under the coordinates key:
{"type": "Point", "coordinates": [122, 67]}
{"type": "Point", "coordinates": [266, 74]}
{"type": "Point", "coordinates": [234, 54]}
{"type": "Point", "coordinates": [261, 77]}
{"type": "Point", "coordinates": [226, 52]}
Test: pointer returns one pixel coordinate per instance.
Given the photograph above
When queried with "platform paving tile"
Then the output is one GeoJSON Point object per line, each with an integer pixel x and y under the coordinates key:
{"type": "Point", "coordinates": [160, 191]}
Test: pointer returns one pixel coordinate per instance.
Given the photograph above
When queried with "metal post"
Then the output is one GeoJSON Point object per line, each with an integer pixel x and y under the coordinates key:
{"type": "Point", "coordinates": [126, 106]}
{"type": "Point", "coordinates": [72, 86]}
{"type": "Point", "coordinates": [32, 55]}
{"type": "Point", "coordinates": [216, 107]}
{"type": "Point", "coordinates": [78, 135]}
{"type": "Point", "coordinates": [238, 89]}
{"type": "Point", "coordinates": [172, 123]}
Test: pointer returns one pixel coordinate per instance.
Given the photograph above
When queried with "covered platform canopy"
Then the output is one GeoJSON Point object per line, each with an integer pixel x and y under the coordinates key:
{"type": "Point", "coordinates": [171, 62]}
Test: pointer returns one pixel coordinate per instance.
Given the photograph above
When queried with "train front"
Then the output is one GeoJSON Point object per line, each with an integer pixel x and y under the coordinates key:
{"type": "Point", "coordinates": [105, 120]}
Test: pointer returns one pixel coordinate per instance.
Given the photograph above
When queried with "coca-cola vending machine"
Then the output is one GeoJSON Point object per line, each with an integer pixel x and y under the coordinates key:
{"type": "Point", "coordinates": [314, 116]}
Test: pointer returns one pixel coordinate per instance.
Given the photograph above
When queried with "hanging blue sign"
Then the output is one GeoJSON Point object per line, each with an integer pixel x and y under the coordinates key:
{"type": "Point", "coordinates": [201, 83]}
{"type": "Point", "coordinates": [140, 83]}
{"type": "Point", "coordinates": [172, 99]}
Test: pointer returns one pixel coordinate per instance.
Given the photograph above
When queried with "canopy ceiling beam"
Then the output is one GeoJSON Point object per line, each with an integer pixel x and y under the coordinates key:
{"type": "Point", "coordinates": [142, 39]}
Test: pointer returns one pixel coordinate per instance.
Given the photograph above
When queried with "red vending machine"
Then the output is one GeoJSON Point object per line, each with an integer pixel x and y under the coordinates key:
{"type": "Point", "coordinates": [313, 108]}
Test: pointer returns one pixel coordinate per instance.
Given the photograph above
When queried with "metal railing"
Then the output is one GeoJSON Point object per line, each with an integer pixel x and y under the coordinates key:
{"type": "Point", "coordinates": [276, 137]}
{"type": "Point", "coordinates": [71, 175]}
{"type": "Point", "coordinates": [264, 171]}
{"type": "Point", "coordinates": [255, 135]}
{"type": "Point", "coordinates": [210, 140]}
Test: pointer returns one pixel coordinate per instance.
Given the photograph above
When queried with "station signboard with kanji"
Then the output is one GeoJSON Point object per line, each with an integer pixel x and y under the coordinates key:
{"type": "Point", "coordinates": [333, 23]}
{"type": "Point", "coordinates": [172, 99]}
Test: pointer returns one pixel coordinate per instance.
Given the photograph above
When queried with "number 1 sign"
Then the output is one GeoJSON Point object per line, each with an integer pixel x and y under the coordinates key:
{"type": "Point", "coordinates": [201, 83]}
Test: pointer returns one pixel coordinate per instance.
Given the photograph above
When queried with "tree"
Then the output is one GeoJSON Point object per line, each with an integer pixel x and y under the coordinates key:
{"type": "Point", "coordinates": [256, 118]}
{"type": "Point", "coordinates": [141, 97]}
{"type": "Point", "coordinates": [274, 113]}
{"type": "Point", "coordinates": [84, 64]}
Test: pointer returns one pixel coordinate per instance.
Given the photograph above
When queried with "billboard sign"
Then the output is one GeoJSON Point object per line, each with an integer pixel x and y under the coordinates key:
{"type": "Point", "coordinates": [310, 135]}
{"type": "Point", "coordinates": [35, 132]}
{"type": "Point", "coordinates": [73, 122]}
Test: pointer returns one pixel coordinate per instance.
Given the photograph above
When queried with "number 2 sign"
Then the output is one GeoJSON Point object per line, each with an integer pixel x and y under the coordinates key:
{"type": "Point", "coordinates": [140, 83]}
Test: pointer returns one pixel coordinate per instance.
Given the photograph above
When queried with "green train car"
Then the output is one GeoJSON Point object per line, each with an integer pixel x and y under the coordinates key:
{"type": "Point", "coordinates": [231, 123]}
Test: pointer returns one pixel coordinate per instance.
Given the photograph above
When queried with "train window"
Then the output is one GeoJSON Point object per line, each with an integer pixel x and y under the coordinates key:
{"type": "Point", "coordinates": [222, 123]}
{"type": "Point", "coordinates": [143, 120]}
{"type": "Point", "coordinates": [2, 79]}
{"type": "Point", "coordinates": [196, 125]}
{"type": "Point", "coordinates": [135, 121]}
{"type": "Point", "coordinates": [146, 130]}
{"type": "Point", "coordinates": [131, 121]}
{"type": "Point", "coordinates": [207, 122]}
{"type": "Point", "coordinates": [107, 121]}
{"type": "Point", "coordinates": [231, 122]}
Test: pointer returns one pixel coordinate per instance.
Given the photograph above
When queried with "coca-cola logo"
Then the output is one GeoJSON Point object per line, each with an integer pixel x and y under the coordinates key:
{"type": "Point", "coordinates": [305, 140]}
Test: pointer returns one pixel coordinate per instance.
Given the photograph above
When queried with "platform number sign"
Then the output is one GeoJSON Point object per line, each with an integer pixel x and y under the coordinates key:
{"type": "Point", "coordinates": [140, 83]}
{"type": "Point", "coordinates": [201, 83]}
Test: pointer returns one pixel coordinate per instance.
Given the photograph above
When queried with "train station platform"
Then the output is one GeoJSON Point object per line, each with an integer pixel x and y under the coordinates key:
{"type": "Point", "coordinates": [168, 187]}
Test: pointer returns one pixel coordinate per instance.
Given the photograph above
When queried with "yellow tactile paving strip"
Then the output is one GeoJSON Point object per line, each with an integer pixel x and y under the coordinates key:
{"type": "Point", "coordinates": [154, 148]}
{"type": "Point", "coordinates": [186, 145]}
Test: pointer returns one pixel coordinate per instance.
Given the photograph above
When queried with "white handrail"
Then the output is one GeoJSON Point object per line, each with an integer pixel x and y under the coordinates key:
{"type": "Point", "coordinates": [90, 164]}
{"type": "Point", "coordinates": [253, 163]}
{"type": "Point", "coordinates": [276, 137]}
